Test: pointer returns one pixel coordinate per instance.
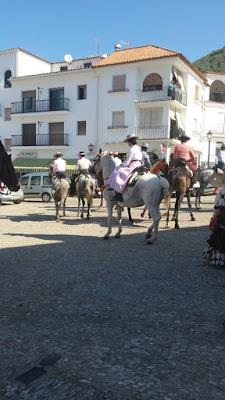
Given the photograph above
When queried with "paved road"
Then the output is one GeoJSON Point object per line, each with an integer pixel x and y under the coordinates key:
{"type": "Point", "coordinates": [87, 319]}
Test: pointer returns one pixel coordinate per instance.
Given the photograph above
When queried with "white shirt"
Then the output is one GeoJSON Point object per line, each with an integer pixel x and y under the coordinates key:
{"type": "Point", "coordinates": [59, 165]}
{"type": "Point", "coordinates": [117, 161]}
{"type": "Point", "coordinates": [221, 156]}
{"type": "Point", "coordinates": [135, 154]}
{"type": "Point", "coordinates": [83, 163]}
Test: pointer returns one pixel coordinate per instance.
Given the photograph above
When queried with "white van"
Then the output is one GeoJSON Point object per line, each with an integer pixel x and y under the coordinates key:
{"type": "Point", "coordinates": [37, 184]}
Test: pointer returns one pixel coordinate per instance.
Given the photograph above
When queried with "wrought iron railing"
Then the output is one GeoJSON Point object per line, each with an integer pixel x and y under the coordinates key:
{"type": "Point", "coordinates": [166, 93]}
{"type": "Point", "coordinates": [51, 139]}
{"type": "Point", "coordinates": [217, 97]}
{"type": "Point", "coordinates": [30, 105]}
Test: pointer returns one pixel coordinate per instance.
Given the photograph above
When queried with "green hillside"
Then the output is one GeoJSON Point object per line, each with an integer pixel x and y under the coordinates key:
{"type": "Point", "coordinates": [214, 61]}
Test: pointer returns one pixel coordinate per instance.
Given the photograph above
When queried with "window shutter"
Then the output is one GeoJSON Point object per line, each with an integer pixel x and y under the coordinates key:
{"type": "Point", "coordinates": [7, 112]}
{"type": "Point", "coordinates": [119, 82]}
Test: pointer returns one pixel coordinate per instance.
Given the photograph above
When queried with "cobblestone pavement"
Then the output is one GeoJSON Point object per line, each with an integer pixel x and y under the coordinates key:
{"type": "Point", "coordinates": [85, 319]}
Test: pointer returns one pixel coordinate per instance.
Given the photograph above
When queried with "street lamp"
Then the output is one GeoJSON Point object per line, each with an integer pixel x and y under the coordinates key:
{"type": "Point", "coordinates": [91, 149]}
{"type": "Point", "coordinates": [209, 137]}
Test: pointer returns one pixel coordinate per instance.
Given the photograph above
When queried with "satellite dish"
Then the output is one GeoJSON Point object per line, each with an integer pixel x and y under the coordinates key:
{"type": "Point", "coordinates": [68, 58]}
{"type": "Point", "coordinates": [117, 46]}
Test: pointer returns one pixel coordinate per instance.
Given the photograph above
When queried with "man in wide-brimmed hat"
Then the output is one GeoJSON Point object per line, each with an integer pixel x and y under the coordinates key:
{"type": "Point", "coordinates": [59, 165]}
{"type": "Point", "coordinates": [145, 157]}
{"type": "Point", "coordinates": [184, 156]}
{"type": "Point", "coordinates": [83, 164]}
{"type": "Point", "coordinates": [121, 174]}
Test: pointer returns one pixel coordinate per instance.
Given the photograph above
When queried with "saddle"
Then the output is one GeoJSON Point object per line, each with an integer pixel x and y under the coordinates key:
{"type": "Point", "coordinates": [137, 172]}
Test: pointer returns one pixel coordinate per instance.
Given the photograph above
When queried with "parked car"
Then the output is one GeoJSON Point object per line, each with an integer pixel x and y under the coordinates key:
{"type": "Point", "coordinates": [37, 184]}
{"type": "Point", "coordinates": [7, 195]}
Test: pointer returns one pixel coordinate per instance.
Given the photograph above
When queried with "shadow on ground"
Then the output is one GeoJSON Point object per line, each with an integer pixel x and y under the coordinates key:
{"type": "Point", "coordinates": [128, 321]}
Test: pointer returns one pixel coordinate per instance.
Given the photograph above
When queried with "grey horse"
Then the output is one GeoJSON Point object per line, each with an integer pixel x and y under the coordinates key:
{"type": "Point", "coordinates": [149, 190]}
{"type": "Point", "coordinates": [61, 190]}
{"type": "Point", "coordinates": [85, 188]}
{"type": "Point", "coordinates": [206, 176]}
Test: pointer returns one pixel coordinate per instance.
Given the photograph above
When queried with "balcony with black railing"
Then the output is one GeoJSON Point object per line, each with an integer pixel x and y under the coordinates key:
{"type": "Point", "coordinates": [32, 106]}
{"type": "Point", "coordinates": [165, 94]}
{"type": "Point", "coordinates": [51, 139]}
{"type": "Point", "coordinates": [217, 97]}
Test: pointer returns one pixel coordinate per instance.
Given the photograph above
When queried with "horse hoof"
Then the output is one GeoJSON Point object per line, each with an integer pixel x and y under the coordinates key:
{"type": "Point", "coordinates": [177, 227]}
{"type": "Point", "coordinates": [105, 237]}
{"type": "Point", "coordinates": [148, 235]}
{"type": "Point", "coordinates": [149, 242]}
{"type": "Point", "coordinates": [117, 236]}
{"type": "Point", "coordinates": [193, 219]}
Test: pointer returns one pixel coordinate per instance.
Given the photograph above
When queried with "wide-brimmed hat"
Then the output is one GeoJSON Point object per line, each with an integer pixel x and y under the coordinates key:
{"type": "Point", "coordinates": [129, 137]}
{"type": "Point", "coordinates": [184, 137]}
{"type": "Point", "coordinates": [81, 153]}
{"type": "Point", "coordinates": [145, 145]}
{"type": "Point", "coordinates": [58, 154]}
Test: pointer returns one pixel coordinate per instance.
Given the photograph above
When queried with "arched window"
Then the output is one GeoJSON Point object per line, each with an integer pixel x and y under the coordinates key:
{"type": "Point", "coordinates": [8, 75]}
{"type": "Point", "coordinates": [152, 82]}
{"type": "Point", "coordinates": [217, 92]}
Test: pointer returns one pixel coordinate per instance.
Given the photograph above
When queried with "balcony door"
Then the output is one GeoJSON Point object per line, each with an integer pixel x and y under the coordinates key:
{"type": "Point", "coordinates": [29, 134]}
{"type": "Point", "coordinates": [56, 133]}
{"type": "Point", "coordinates": [29, 101]}
{"type": "Point", "coordinates": [56, 99]}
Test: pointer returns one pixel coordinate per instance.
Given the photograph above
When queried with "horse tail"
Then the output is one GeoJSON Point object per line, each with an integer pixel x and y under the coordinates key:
{"type": "Point", "coordinates": [165, 191]}
{"type": "Point", "coordinates": [89, 186]}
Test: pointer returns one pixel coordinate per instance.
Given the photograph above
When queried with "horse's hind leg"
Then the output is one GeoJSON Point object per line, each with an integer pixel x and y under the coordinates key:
{"type": "Point", "coordinates": [82, 211]}
{"type": "Point", "coordinates": [129, 216]}
{"type": "Point", "coordinates": [119, 220]}
{"type": "Point", "coordinates": [78, 212]}
{"type": "Point", "coordinates": [153, 229]}
{"type": "Point", "coordinates": [189, 205]}
{"type": "Point", "coordinates": [179, 199]}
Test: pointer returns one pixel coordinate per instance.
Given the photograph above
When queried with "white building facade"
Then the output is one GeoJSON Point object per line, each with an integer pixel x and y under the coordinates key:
{"type": "Point", "coordinates": [157, 93]}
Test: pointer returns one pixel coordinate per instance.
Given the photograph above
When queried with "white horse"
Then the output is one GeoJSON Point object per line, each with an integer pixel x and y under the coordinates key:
{"type": "Point", "coordinates": [149, 190]}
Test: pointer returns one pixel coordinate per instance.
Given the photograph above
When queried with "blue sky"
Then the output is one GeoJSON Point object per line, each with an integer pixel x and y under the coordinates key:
{"type": "Point", "coordinates": [53, 28]}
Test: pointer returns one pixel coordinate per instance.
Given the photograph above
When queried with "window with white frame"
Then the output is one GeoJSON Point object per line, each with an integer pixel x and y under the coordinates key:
{"type": "Point", "coordinates": [119, 83]}
{"type": "Point", "coordinates": [118, 119]}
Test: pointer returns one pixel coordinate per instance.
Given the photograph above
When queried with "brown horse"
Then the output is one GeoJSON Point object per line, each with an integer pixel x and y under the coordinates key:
{"type": "Point", "coordinates": [180, 183]}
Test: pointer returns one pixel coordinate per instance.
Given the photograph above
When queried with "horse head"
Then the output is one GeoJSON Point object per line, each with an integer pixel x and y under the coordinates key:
{"type": "Point", "coordinates": [104, 165]}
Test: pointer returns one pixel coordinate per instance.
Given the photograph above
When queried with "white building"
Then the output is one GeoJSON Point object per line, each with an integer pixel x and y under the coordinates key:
{"type": "Point", "coordinates": [47, 107]}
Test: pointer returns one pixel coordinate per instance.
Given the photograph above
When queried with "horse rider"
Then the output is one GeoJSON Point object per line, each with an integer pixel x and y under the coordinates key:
{"type": "Point", "coordinates": [183, 155]}
{"type": "Point", "coordinates": [221, 158]}
{"type": "Point", "coordinates": [121, 174]}
{"type": "Point", "coordinates": [59, 166]}
{"type": "Point", "coordinates": [83, 165]}
{"type": "Point", "coordinates": [145, 157]}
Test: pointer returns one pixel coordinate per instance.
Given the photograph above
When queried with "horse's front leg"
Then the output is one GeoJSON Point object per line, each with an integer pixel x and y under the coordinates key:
{"type": "Point", "coordinates": [119, 221]}
{"type": "Point", "coordinates": [109, 212]}
{"type": "Point", "coordinates": [189, 205]}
